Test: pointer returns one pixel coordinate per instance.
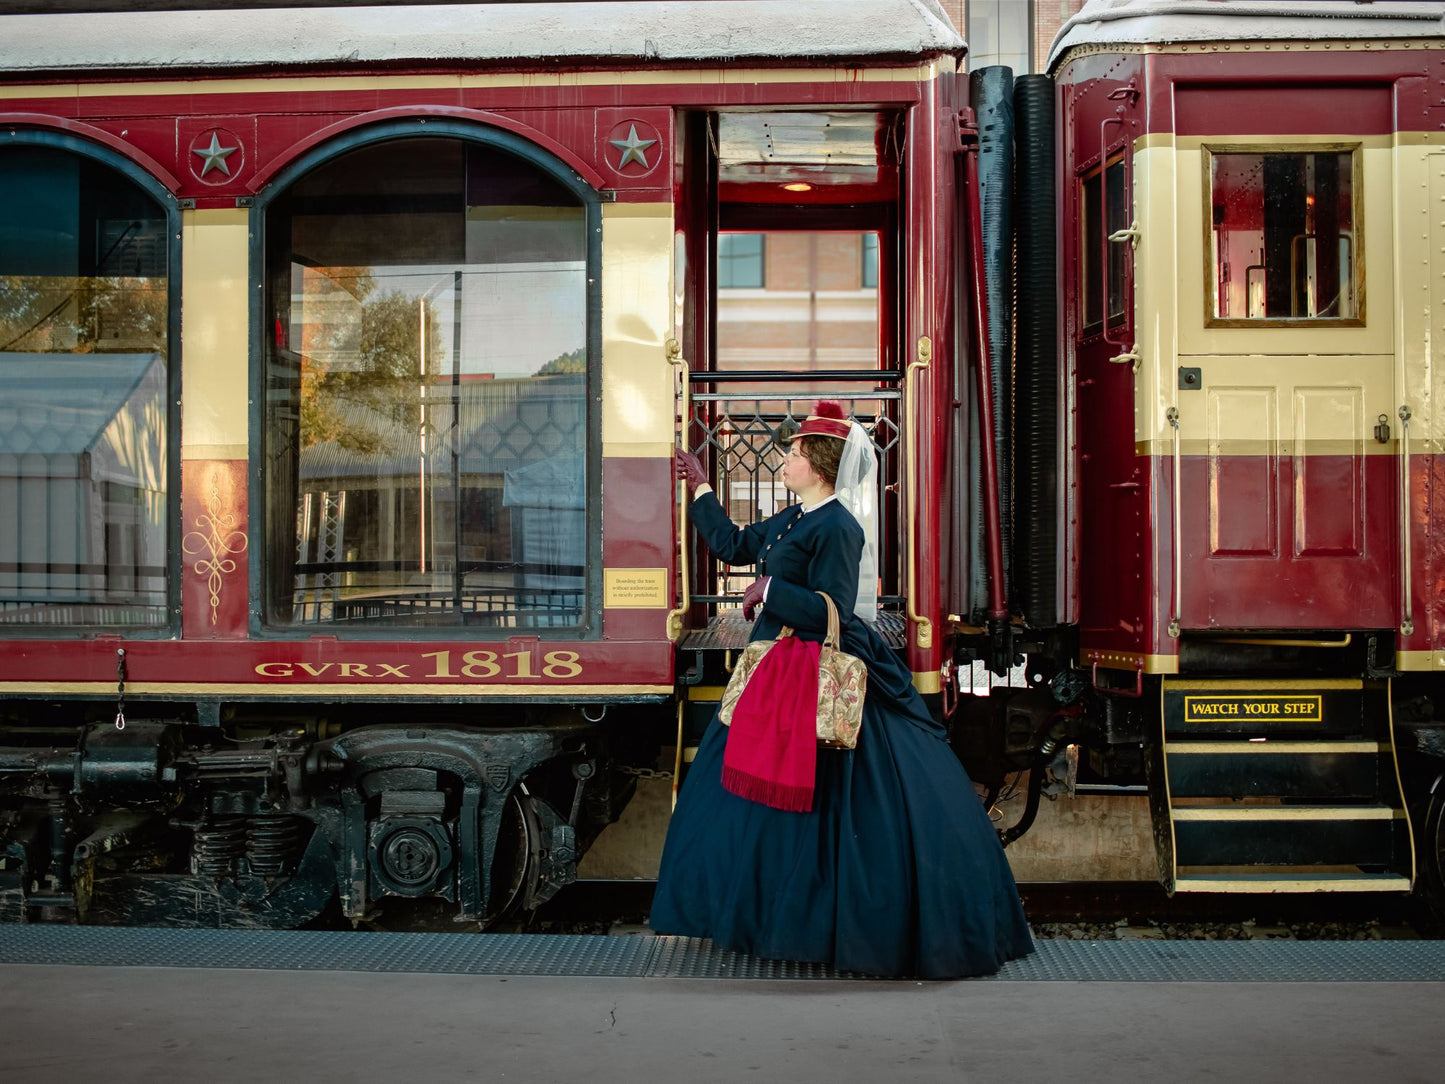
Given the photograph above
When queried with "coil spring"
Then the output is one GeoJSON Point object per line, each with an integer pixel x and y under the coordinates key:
{"type": "Point", "coordinates": [273, 842]}
{"type": "Point", "coordinates": [218, 844]}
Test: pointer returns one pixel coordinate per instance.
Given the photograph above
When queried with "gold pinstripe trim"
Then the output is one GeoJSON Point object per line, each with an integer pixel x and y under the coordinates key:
{"type": "Point", "coordinates": [1260, 748]}
{"type": "Point", "coordinates": [640, 450]}
{"type": "Point", "coordinates": [1127, 660]}
{"type": "Point", "coordinates": [539, 80]}
{"type": "Point", "coordinates": [1286, 813]}
{"type": "Point", "coordinates": [705, 693]}
{"type": "Point", "coordinates": [165, 688]}
{"type": "Point", "coordinates": [1229, 685]}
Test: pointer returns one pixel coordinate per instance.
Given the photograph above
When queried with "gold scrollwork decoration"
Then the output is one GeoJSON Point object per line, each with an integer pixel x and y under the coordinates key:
{"type": "Point", "coordinates": [218, 541]}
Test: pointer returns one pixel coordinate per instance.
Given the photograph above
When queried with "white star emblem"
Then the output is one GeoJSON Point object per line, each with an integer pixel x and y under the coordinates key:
{"type": "Point", "coordinates": [632, 148]}
{"type": "Point", "coordinates": [214, 156]}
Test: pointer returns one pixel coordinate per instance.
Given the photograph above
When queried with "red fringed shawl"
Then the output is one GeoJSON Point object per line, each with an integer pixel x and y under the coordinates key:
{"type": "Point", "coordinates": [771, 753]}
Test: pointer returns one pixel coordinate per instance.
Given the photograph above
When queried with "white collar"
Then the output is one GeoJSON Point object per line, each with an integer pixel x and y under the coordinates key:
{"type": "Point", "coordinates": [815, 507]}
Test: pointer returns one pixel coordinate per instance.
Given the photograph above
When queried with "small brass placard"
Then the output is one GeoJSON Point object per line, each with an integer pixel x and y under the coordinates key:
{"type": "Point", "coordinates": [635, 589]}
{"type": "Point", "coordinates": [1260, 709]}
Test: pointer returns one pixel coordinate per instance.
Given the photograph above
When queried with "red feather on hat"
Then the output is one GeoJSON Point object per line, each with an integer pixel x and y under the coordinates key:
{"type": "Point", "coordinates": [829, 408]}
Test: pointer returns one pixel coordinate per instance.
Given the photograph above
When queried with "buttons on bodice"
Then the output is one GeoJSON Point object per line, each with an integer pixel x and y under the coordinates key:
{"type": "Point", "coordinates": [763, 557]}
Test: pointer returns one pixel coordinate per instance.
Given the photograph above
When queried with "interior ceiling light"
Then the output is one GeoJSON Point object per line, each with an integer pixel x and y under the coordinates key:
{"type": "Point", "coordinates": [798, 186]}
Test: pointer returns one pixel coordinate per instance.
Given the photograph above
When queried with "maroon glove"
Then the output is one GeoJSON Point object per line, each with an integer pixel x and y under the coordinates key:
{"type": "Point", "coordinates": [689, 468]}
{"type": "Point", "coordinates": [753, 596]}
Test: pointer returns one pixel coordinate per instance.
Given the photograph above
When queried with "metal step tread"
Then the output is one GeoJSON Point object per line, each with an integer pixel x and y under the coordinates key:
{"type": "Point", "coordinates": [1325, 746]}
{"type": "Point", "coordinates": [1292, 882]}
{"type": "Point", "coordinates": [1286, 813]}
{"type": "Point", "coordinates": [726, 630]}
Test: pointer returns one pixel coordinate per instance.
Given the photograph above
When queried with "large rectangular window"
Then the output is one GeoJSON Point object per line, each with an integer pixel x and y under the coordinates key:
{"type": "Point", "coordinates": [84, 318]}
{"type": "Point", "coordinates": [1284, 238]}
{"type": "Point", "coordinates": [427, 411]}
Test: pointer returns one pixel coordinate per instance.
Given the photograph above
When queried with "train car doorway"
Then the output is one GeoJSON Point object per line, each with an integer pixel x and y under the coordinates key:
{"type": "Point", "coordinates": [793, 240]}
{"type": "Point", "coordinates": [1287, 436]}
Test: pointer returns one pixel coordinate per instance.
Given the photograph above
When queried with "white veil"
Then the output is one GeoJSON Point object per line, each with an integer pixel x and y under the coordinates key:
{"type": "Point", "coordinates": [857, 488]}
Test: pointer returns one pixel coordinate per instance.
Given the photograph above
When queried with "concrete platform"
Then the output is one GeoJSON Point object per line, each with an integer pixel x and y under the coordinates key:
{"type": "Point", "coordinates": [369, 1007]}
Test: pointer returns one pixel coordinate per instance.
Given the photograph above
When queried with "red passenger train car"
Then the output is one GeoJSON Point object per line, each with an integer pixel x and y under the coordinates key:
{"type": "Point", "coordinates": [345, 349]}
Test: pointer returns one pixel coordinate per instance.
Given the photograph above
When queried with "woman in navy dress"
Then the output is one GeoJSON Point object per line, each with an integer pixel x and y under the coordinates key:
{"type": "Point", "coordinates": [896, 870]}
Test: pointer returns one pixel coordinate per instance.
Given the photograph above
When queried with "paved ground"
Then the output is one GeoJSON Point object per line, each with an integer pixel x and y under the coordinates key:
{"type": "Point", "coordinates": [112, 1023]}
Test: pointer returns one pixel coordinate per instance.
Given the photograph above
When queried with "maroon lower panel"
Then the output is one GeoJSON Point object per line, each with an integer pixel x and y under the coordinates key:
{"type": "Point", "coordinates": [457, 667]}
{"type": "Point", "coordinates": [215, 568]}
{"type": "Point", "coordinates": [1278, 542]}
{"type": "Point", "coordinates": [638, 532]}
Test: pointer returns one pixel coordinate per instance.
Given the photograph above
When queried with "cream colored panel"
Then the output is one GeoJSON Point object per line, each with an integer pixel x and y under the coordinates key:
{"type": "Point", "coordinates": [1344, 395]}
{"type": "Point", "coordinates": [1156, 287]}
{"type": "Point", "coordinates": [215, 248]}
{"type": "Point", "coordinates": [1241, 420]}
{"type": "Point", "coordinates": [1422, 249]}
{"type": "Point", "coordinates": [637, 380]}
{"type": "Point", "coordinates": [1377, 218]}
{"type": "Point", "coordinates": [1329, 421]}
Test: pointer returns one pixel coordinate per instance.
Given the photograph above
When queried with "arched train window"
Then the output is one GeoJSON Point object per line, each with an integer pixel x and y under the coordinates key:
{"type": "Point", "coordinates": [427, 421]}
{"type": "Point", "coordinates": [85, 319]}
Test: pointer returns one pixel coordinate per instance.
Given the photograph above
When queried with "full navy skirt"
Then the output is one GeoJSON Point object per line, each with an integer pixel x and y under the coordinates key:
{"type": "Point", "coordinates": [895, 871]}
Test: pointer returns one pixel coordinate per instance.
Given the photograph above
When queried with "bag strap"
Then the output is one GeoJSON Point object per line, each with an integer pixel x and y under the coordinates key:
{"type": "Point", "coordinates": [834, 635]}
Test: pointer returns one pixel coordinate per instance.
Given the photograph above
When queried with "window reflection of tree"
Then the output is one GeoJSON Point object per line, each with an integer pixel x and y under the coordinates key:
{"type": "Point", "coordinates": [366, 407]}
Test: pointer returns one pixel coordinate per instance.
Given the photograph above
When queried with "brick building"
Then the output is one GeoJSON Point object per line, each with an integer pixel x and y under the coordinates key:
{"type": "Point", "coordinates": [808, 301]}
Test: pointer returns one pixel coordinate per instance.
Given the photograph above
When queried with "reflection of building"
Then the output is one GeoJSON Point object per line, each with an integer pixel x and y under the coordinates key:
{"type": "Point", "coordinates": [82, 482]}
{"type": "Point", "coordinates": [804, 301]}
{"type": "Point", "coordinates": [799, 301]}
{"type": "Point", "coordinates": [481, 510]}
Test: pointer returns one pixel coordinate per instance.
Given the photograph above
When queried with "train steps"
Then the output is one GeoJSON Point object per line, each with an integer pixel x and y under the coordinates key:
{"type": "Point", "coordinates": [1279, 786]}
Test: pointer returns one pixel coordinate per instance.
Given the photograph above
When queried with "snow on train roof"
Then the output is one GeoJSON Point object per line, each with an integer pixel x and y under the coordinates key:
{"type": "Point", "coordinates": [1117, 22]}
{"type": "Point", "coordinates": [647, 32]}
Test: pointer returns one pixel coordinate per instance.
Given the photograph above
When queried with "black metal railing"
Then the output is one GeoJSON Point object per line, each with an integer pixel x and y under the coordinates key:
{"type": "Point", "coordinates": [739, 432]}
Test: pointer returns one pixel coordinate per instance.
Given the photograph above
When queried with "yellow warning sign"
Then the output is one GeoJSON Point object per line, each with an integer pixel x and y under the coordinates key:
{"type": "Point", "coordinates": [634, 588]}
{"type": "Point", "coordinates": [1259, 709]}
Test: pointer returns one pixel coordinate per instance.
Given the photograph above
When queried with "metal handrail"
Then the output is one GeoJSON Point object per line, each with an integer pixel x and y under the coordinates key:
{"type": "Point", "coordinates": [910, 458]}
{"type": "Point", "coordinates": [674, 617]}
{"type": "Point", "coordinates": [1178, 488]}
{"type": "Point", "coordinates": [1407, 621]}
{"type": "Point", "coordinates": [772, 376]}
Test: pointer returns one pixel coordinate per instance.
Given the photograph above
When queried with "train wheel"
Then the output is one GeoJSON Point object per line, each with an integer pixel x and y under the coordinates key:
{"type": "Point", "coordinates": [514, 865]}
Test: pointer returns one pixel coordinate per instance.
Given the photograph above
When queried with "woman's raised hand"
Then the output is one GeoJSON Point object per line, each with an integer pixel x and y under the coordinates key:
{"type": "Point", "coordinates": [689, 468]}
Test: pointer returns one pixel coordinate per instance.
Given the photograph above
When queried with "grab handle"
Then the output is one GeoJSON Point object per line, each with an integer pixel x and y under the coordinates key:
{"type": "Point", "coordinates": [1178, 489]}
{"type": "Point", "coordinates": [674, 617]}
{"type": "Point", "coordinates": [1407, 621]}
{"type": "Point", "coordinates": [910, 448]}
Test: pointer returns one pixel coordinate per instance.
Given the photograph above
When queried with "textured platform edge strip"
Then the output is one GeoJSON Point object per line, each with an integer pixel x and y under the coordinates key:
{"type": "Point", "coordinates": [692, 958]}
